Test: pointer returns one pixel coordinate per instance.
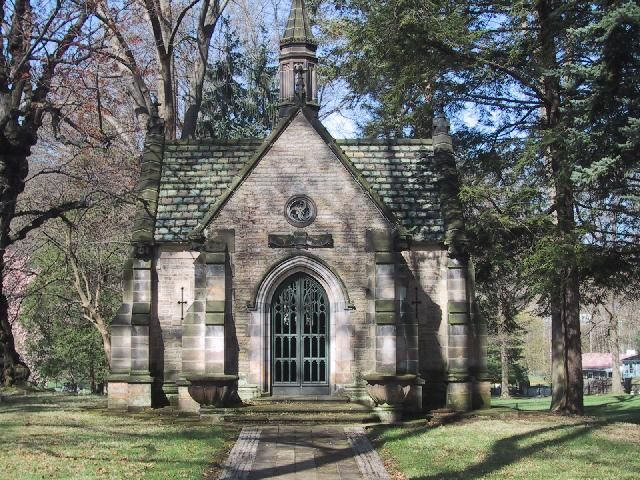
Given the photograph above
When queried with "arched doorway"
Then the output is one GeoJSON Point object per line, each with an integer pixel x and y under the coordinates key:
{"type": "Point", "coordinates": [300, 336]}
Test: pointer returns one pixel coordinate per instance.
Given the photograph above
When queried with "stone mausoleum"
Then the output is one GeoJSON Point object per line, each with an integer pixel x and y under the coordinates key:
{"type": "Point", "coordinates": [300, 264]}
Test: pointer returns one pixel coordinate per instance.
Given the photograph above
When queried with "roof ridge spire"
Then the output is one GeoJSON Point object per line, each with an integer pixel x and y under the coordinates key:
{"type": "Point", "coordinates": [298, 28]}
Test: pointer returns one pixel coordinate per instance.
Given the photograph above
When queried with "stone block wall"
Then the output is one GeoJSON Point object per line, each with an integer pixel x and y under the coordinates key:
{"type": "Point", "coordinates": [300, 162]}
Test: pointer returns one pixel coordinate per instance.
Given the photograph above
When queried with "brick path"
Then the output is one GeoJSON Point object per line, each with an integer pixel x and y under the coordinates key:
{"type": "Point", "coordinates": [304, 453]}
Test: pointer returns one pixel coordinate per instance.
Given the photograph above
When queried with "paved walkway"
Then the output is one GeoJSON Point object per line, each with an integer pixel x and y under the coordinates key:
{"type": "Point", "coordinates": [304, 453]}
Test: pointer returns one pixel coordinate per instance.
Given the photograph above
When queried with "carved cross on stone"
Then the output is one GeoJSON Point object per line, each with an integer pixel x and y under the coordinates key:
{"type": "Point", "coordinates": [182, 303]}
{"type": "Point", "coordinates": [416, 302]}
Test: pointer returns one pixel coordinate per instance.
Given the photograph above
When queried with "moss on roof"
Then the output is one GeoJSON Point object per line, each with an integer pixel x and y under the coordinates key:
{"type": "Point", "coordinates": [196, 173]}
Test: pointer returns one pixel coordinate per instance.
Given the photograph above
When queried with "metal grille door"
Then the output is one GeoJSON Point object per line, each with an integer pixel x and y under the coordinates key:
{"type": "Point", "coordinates": [300, 326]}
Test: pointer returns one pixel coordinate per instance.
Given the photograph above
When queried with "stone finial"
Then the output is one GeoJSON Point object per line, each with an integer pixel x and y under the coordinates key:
{"type": "Point", "coordinates": [298, 63]}
{"type": "Point", "coordinates": [441, 124]}
{"type": "Point", "coordinates": [155, 124]}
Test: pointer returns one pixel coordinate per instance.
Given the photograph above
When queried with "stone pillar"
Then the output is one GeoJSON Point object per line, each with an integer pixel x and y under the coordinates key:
{"type": "Point", "coordinates": [215, 312]}
{"type": "Point", "coordinates": [140, 380]}
{"type": "Point", "coordinates": [460, 330]}
{"type": "Point", "coordinates": [130, 379]}
{"type": "Point", "coordinates": [386, 314]}
{"type": "Point", "coordinates": [193, 336]}
{"type": "Point", "coordinates": [459, 350]}
{"type": "Point", "coordinates": [203, 332]}
{"type": "Point", "coordinates": [482, 384]}
{"type": "Point", "coordinates": [118, 392]}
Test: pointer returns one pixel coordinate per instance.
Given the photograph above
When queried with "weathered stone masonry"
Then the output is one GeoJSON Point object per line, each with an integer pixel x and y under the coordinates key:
{"type": "Point", "coordinates": [213, 241]}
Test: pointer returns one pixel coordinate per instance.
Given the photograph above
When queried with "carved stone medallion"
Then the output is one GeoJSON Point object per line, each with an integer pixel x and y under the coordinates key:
{"type": "Point", "coordinates": [300, 211]}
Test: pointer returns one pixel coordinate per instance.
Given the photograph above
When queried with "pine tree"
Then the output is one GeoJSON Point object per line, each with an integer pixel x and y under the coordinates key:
{"type": "Point", "coordinates": [543, 77]}
{"type": "Point", "coordinates": [240, 94]}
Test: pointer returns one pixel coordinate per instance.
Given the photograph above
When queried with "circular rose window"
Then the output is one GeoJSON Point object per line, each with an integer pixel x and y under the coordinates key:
{"type": "Point", "coordinates": [300, 211]}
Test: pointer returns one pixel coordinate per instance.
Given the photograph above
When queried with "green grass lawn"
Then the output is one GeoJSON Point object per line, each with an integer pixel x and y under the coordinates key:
{"type": "Point", "coordinates": [70, 437]}
{"type": "Point", "coordinates": [519, 439]}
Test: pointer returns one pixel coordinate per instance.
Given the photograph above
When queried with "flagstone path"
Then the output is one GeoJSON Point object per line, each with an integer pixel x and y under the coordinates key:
{"type": "Point", "coordinates": [304, 453]}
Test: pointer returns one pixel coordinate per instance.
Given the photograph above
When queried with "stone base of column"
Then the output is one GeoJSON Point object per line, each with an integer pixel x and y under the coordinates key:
{"type": "Point", "coordinates": [186, 404]}
{"type": "Point", "coordinates": [170, 391]}
{"type": "Point", "coordinates": [481, 394]}
{"type": "Point", "coordinates": [389, 413]}
{"type": "Point", "coordinates": [139, 396]}
{"type": "Point", "coordinates": [248, 392]}
{"type": "Point", "coordinates": [358, 394]}
{"type": "Point", "coordinates": [459, 395]}
{"type": "Point", "coordinates": [118, 396]}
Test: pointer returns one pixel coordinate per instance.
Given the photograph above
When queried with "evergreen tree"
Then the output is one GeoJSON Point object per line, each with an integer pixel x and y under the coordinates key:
{"type": "Point", "coordinates": [240, 94]}
{"type": "Point", "coordinates": [545, 79]}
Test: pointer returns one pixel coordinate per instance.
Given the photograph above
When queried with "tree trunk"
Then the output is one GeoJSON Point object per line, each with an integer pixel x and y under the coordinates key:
{"type": "Point", "coordinates": [209, 15]}
{"type": "Point", "coordinates": [167, 96]}
{"type": "Point", "coordinates": [15, 148]}
{"type": "Point", "coordinates": [567, 396]}
{"type": "Point", "coordinates": [106, 338]}
{"type": "Point", "coordinates": [558, 378]}
{"type": "Point", "coordinates": [614, 348]}
{"type": "Point", "coordinates": [504, 364]}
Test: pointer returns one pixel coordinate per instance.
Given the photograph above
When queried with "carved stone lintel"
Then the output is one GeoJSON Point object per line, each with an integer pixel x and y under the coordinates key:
{"type": "Point", "coordinates": [211, 246]}
{"type": "Point", "coordinates": [300, 240]}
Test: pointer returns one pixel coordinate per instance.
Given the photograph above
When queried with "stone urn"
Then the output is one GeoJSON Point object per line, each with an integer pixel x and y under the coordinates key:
{"type": "Point", "coordinates": [213, 390]}
{"type": "Point", "coordinates": [389, 393]}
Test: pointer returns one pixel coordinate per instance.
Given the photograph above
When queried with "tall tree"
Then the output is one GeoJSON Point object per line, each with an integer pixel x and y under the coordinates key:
{"type": "Point", "coordinates": [37, 39]}
{"type": "Point", "coordinates": [174, 39]}
{"type": "Point", "coordinates": [62, 345]}
{"type": "Point", "coordinates": [502, 210]}
{"type": "Point", "coordinates": [515, 65]}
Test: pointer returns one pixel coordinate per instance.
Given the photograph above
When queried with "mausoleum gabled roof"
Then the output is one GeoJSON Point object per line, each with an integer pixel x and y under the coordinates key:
{"type": "Point", "coordinates": [199, 176]}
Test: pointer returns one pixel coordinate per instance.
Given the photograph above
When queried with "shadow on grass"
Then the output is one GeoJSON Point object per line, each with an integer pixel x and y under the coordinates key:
{"type": "Point", "coordinates": [611, 408]}
{"type": "Point", "coordinates": [141, 446]}
{"type": "Point", "coordinates": [43, 402]}
{"type": "Point", "coordinates": [504, 452]}
{"type": "Point", "coordinates": [510, 450]}
{"type": "Point", "coordinates": [81, 429]}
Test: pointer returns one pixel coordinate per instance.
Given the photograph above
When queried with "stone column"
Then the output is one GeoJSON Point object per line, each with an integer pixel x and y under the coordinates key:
{"type": "Point", "coordinates": [130, 330]}
{"type": "Point", "coordinates": [481, 397]}
{"type": "Point", "coordinates": [459, 348]}
{"type": "Point", "coordinates": [215, 312]}
{"type": "Point", "coordinates": [140, 380]}
{"type": "Point", "coordinates": [203, 333]}
{"type": "Point", "coordinates": [193, 337]}
{"type": "Point", "coordinates": [118, 392]}
{"type": "Point", "coordinates": [386, 310]}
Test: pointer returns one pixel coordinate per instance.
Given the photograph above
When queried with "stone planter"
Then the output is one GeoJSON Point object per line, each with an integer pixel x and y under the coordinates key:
{"type": "Point", "coordinates": [213, 390]}
{"type": "Point", "coordinates": [389, 393]}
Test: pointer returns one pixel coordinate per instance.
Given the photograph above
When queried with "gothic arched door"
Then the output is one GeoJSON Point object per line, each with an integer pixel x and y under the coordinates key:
{"type": "Point", "coordinates": [300, 338]}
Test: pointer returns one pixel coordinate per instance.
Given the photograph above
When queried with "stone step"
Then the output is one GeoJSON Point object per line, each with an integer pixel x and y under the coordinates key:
{"type": "Point", "coordinates": [304, 407]}
{"type": "Point", "coordinates": [302, 399]}
{"type": "Point", "coordinates": [299, 418]}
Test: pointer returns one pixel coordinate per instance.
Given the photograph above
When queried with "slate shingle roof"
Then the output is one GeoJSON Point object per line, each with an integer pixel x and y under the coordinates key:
{"type": "Point", "coordinates": [401, 172]}
{"type": "Point", "coordinates": [194, 174]}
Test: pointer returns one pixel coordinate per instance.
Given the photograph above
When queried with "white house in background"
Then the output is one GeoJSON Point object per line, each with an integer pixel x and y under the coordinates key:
{"type": "Point", "coordinates": [600, 365]}
{"type": "Point", "coordinates": [631, 366]}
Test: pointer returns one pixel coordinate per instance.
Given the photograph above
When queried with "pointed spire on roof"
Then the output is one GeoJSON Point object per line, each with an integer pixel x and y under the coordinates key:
{"type": "Point", "coordinates": [298, 28]}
